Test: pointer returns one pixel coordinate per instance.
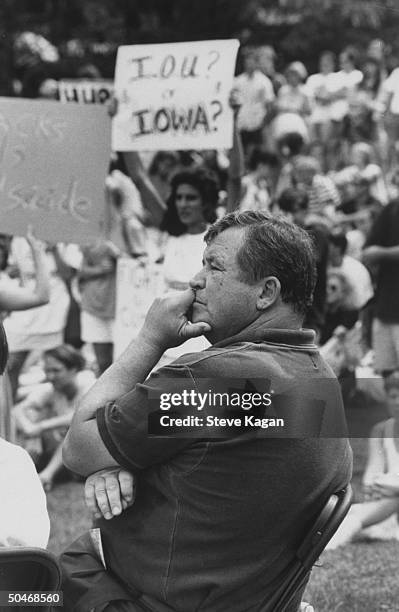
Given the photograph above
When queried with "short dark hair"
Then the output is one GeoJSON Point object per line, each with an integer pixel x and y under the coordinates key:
{"type": "Point", "coordinates": [293, 199]}
{"type": "Point", "coordinates": [274, 247]}
{"type": "Point", "coordinates": [68, 355]}
{"type": "Point", "coordinates": [206, 182]}
{"type": "Point", "coordinates": [3, 349]}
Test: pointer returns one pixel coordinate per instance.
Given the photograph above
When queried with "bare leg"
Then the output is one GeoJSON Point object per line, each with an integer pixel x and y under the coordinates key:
{"type": "Point", "coordinates": [361, 516]}
{"type": "Point", "coordinates": [370, 513]}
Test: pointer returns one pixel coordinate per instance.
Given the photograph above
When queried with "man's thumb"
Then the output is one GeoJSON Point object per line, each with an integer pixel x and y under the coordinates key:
{"type": "Point", "coordinates": [193, 330]}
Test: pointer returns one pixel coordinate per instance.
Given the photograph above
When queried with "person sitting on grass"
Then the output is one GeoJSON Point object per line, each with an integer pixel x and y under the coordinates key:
{"type": "Point", "coordinates": [381, 476]}
{"type": "Point", "coordinates": [44, 415]}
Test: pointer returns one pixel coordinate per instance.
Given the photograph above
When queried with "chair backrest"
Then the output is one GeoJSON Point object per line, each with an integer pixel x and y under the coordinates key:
{"type": "Point", "coordinates": [315, 541]}
{"type": "Point", "coordinates": [29, 569]}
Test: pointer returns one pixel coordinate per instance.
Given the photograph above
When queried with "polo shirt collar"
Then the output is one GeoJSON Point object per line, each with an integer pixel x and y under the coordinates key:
{"type": "Point", "coordinates": [304, 338]}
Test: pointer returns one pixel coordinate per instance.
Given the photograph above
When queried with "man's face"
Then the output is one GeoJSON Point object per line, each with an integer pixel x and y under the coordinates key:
{"type": "Point", "coordinates": [222, 297]}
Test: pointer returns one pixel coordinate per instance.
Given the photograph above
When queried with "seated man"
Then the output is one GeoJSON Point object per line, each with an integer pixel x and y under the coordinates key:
{"type": "Point", "coordinates": [219, 512]}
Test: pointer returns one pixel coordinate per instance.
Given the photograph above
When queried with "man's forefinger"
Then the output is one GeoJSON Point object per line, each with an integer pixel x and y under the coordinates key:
{"type": "Point", "coordinates": [127, 487]}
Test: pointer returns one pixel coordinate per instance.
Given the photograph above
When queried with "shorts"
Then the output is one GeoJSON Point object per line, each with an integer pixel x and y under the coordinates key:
{"type": "Point", "coordinates": [96, 330]}
{"type": "Point", "coordinates": [33, 342]}
{"type": "Point", "coordinates": [386, 345]}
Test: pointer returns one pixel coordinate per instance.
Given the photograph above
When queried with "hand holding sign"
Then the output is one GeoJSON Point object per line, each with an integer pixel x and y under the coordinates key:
{"type": "Point", "coordinates": [174, 96]}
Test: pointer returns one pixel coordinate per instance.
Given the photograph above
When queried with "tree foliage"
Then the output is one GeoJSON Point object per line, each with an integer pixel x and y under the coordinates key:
{"type": "Point", "coordinates": [298, 29]}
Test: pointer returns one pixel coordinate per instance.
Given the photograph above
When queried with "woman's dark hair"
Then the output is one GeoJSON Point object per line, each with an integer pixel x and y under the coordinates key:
{"type": "Point", "coordinates": [69, 356]}
{"type": "Point", "coordinates": [3, 349]}
{"type": "Point", "coordinates": [364, 83]}
{"type": "Point", "coordinates": [206, 183]}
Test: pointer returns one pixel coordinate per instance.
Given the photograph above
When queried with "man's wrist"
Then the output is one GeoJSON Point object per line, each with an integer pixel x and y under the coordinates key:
{"type": "Point", "coordinates": [151, 341]}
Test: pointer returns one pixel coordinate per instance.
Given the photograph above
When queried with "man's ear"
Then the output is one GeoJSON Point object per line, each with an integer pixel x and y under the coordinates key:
{"type": "Point", "coordinates": [270, 293]}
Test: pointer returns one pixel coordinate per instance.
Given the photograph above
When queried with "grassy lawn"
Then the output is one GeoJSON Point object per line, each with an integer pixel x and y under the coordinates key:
{"type": "Point", "coordinates": [360, 577]}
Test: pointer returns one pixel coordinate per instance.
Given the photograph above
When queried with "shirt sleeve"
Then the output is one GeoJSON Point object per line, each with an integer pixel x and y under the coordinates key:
{"type": "Point", "coordinates": [268, 90]}
{"type": "Point", "coordinates": [129, 427]}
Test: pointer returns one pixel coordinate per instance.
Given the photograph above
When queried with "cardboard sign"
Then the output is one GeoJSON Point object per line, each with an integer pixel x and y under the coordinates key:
{"type": "Point", "coordinates": [85, 92]}
{"type": "Point", "coordinates": [174, 96]}
{"type": "Point", "coordinates": [53, 163]}
{"type": "Point", "coordinates": [137, 286]}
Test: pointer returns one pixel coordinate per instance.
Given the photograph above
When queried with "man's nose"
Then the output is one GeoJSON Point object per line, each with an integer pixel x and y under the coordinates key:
{"type": "Point", "coordinates": [198, 281]}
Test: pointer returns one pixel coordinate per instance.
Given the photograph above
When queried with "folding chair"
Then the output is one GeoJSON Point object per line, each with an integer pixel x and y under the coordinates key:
{"type": "Point", "coordinates": [315, 541]}
{"type": "Point", "coordinates": [28, 569]}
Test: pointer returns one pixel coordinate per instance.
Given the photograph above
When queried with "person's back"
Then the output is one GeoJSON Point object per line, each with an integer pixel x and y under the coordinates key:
{"type": "Point", "coordinates": [218, 523]}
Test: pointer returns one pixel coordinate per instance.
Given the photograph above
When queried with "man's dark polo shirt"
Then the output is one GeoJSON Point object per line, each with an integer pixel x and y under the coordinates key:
{"type": "Point", "coordinates": [215, 523]}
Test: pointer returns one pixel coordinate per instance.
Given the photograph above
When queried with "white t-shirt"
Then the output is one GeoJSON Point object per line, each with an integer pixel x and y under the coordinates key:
{"type": "Point", "coordinates": [24, 520]}
{"type": "Point", "coordinates": [318, 84]}
{"type": "Point", "coordinates": [347, 81]}
{"type": "Point", "coordinates": [256, 91]}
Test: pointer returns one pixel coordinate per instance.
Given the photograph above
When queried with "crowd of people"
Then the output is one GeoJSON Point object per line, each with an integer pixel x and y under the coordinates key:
{"type": "Point", "coordinates": [320, 151]}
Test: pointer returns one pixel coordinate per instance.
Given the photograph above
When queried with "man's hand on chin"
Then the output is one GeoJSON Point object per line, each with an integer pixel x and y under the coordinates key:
{"type": "Point", "coordinates": [167, 322]}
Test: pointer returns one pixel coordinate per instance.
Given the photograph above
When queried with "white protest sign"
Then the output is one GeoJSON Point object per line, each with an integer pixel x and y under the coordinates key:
{"type": "Point", "coordinates": [53, 163]}
{"type": "Point", "coordinates": [174, 96]}
{"type": "Point", "coordinates": [137, 285]}
{"type": "Point", "coordinates": [85, 91]}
